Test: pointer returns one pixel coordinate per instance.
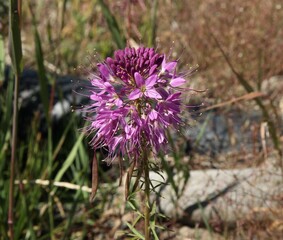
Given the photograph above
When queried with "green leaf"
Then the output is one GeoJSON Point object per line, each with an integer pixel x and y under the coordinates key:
{"type": "Point", "coordinates": [170, 174]}
{"type": "Point", "coordinates": [136, 232]}
{"type": "Point", "coordinates": [152, 227]}
{"type": "Point", "coordinates": [137, 219]}
{"type": "Point", "coordinates": [153, 209]}
{"type": "Point", "coordinates": [132, 205]}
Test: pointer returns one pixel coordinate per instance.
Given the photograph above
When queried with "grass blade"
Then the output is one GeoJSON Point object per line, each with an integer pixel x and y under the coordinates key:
{"type": "Point", "coordinates": [43, 81]}
{"type": "Point", "coordinates": [70, 159]}
{"type": "Point", "coordinates": [6, 120]}
{"type": "Point", "coordinates": [113, 25]}
{"type": "Point", "coordinates": [2, 60]}
{"type": "Point", "coordinates": [153, 23]}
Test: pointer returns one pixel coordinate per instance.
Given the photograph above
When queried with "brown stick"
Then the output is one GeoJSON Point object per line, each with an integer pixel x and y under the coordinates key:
{"type": "Point", "coordinates": [248, 96]}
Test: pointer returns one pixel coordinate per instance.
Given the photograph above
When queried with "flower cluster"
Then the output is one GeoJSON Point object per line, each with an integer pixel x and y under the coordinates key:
{"type": "Point", "coordinates": [135, 98]}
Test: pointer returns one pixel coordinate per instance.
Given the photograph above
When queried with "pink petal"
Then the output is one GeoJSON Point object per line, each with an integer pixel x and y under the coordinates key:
{"type": "Point", "coordinates": [95, 97]}
{"type": "Point", "coordinates": [163, 62]}
{"type": "Point", "coordinates": [177, 82]}
{"type": "Point", "coordinates": [97, 83]}
{"type": "Point", "coordinates": [139, 79]}
{"type": "Point", "coordinates": [153, 114]}
{"type": "Point", "coordinates": [135, 94]}
{"type": "Point", "coordinates": [151, 81]}
{"type": "Point", "coordinates": [152, 93]}
{"type": "Point", "coordinates": [103, 70]}
{"type": "Point", "coordinates": [152, 69]}
{"type": "Point", "coordinates": [118, 102]}
{"type": "Point", "coordinates": [115, 141]}
{"type": "Point", "coordinates": [170, 66]}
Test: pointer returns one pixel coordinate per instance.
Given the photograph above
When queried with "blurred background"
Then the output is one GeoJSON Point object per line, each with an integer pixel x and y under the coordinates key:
{"type": "Point", "coordinates": [235, 124]}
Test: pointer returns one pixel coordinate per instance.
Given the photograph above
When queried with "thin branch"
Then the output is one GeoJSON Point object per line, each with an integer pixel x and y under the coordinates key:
{"type": "Point", "coordinates": [43, 182]}
{"type": "Point", "coordinates": [249, 89]}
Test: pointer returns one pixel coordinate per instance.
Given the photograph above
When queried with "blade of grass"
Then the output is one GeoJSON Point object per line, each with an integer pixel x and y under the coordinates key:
{"type": "Point", "coordinates": [153, 23]}
{"type": "Point", "coordinates": [16, 56]}
{"type": "Point", "coordinates": [62, 6]}
{"type": "Point", "coordinates": [4, 186]}
{"type": "Point", "coordinates": [168, 169]}
{"type": "Point", "coordinates": [174, 150]}
{"type": "Point", "coordinates": [43, 81]}
{"type": "Point", "coordinates": [63, 138]}
{"type": "Point", "coordinates": [202, 129]}
{"type": "Point", "coordinates": [71, 216]}
{"type": "Point", "coordinates": [2, 60]}
{"type": "Point", "coordinates": [205, 220]}
{"type": "Point", "coordinates": [25, 212]}
{"type": "Point", "coordinates": [70, 159]}
{"type": "Point", "coordinates": [6, 121]}
{"type": "Point", "coordinates": [113, 25]}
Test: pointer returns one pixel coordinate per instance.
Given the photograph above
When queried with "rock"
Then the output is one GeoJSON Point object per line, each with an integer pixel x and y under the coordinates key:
{"type": "Point", "coordinates": [224, 195]}
{"type": "Point", "coordinates": [186, 233]}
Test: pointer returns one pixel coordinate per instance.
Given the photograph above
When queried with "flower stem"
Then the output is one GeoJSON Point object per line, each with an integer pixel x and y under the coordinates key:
{"type": "Point", "coordinates": [13, 159]}
{"type": "Point", "coordinates": [16, 57]}
{"type": "Point", "coordinates": [147, 201]}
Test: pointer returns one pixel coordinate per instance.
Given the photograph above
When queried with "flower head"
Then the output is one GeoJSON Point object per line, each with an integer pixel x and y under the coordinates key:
{"type": "Point", "coordinates": [134, 100]}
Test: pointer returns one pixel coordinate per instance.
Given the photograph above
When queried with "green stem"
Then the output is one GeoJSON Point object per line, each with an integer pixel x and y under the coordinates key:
{"type": "Point", "coordinates": [13, 159]}
{"type": "Point", "coordinates": [16, 57]}
{"type": "Point", "coordinates": [50, 196]}
{"type": "Point", "coordinates": [147, 201]}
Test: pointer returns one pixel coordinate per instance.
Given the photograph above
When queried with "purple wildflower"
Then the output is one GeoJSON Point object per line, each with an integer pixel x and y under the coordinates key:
{"type": "Point", "coordinates": [136, 97]}
{"type": "Point", "coordinates": [144, 87]}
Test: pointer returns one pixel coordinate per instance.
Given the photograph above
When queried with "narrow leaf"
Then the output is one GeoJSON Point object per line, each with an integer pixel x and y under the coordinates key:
{"type": "Point", "coordinates": [136, 232]}
{"type": "Point", "coordinates": [70, 159]}
{"type": "Point", "coordinates": [152, 227]}
{"type": "Point", "coordinates": [43, 81]}
{"type": "Point", "coordinates": [112, 25]}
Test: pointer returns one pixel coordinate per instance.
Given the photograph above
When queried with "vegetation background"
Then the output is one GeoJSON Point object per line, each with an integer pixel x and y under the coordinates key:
{"type": "Point", "coordinates": [237, 46]}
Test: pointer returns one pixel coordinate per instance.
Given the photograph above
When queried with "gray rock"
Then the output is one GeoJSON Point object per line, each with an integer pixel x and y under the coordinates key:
{"type": "Point", "coordinates": [226, 195]}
